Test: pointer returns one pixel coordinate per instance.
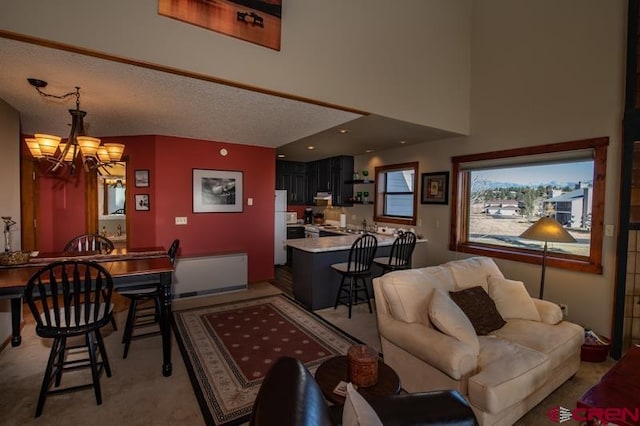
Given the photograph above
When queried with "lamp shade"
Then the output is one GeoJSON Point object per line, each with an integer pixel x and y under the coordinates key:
{"type": "Point", "coordinates": [103, 154]}
{"type": "Point", "coordinates": [88, 145]}
{"type": "Point", "coordinates": [34, 147]}
{"type": "Point", "coordinates": [548, 229]}
{"type": "Point", "coordinates": [115, 150]}
{"type": "Point", "coordinates": [71, 153]}
{"type": "Point", "coordinates": [48, 143]}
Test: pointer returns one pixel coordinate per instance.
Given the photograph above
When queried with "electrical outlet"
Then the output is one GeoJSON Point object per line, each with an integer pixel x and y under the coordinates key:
{"type": "Point", "coordinates": [565, 310]}
{"type": "Point", "coordinates": [181, 220]}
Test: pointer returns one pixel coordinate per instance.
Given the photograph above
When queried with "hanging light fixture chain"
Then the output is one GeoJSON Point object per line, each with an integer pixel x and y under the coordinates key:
{"type": "Point", "coordinates": [66, 95]}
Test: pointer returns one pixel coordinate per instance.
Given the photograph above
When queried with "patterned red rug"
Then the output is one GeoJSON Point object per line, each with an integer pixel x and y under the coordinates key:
{"type": "Point", "coordinates": [228, 348]}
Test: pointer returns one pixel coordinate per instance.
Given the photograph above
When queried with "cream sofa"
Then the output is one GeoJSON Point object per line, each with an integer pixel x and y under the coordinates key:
{"type": "Point", "coordinates": [503, 374]}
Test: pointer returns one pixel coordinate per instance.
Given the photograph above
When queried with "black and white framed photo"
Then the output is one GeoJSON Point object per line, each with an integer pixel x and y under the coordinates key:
{"type": "Point", "coordinates": [435, 188]}
{"type": "Point", "coordinates": [217, 191]}
{"type": "Point", "coordinates": [141, 178]}
{"type": "Point", "coordinates": [142, 202]}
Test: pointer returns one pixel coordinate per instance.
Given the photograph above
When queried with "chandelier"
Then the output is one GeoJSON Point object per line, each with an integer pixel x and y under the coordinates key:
{"type": "Point", "coordinates": [94, 154]}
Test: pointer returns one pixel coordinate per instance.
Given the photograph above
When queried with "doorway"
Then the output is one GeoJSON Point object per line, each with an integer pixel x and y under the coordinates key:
{"type": "Point", "coordinates": [111, 211]}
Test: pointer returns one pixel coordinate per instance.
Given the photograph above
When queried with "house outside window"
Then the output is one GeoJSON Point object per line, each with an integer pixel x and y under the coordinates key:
{"type": "Point", "coordinates": [498, 195]}
{"type": "Point", "coordinates": [396, 194]}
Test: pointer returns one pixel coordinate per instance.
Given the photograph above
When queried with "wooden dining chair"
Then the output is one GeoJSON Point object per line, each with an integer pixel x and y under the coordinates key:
{"type": "Point", "coordinates": [89, 243]}
{"type": "Point", "coordinates": [357, 269]}
{"type": "Point", "coordinates": [67, 299]}
{"type": "Point", "coordinates": [140, 315]}
{"type": "Point", "coordinates": [400, 256]}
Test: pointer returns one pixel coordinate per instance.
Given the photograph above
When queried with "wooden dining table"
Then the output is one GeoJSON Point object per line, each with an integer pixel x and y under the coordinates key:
{"type": "Point", "coordinates": [129, 268]}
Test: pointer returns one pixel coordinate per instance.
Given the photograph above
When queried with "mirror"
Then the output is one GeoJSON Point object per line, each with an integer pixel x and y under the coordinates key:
{"type": "Point", "coordinates": [112, 205]}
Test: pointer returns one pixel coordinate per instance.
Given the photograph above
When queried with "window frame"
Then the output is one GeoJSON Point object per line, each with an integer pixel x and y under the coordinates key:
{"type": "Point", "coordinates": [379, 194]}
{"type": "Point", "coordinates": [458, 237]}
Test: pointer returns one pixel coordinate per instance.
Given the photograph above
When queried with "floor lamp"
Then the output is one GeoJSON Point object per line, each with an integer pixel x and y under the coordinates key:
{"type": "Point", "coordinates": [548, 230]}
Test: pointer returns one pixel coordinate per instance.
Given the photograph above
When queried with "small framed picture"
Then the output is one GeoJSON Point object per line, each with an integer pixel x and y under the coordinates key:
{"type": "Point", "coordinates": [435, 188]}
{"type": "Point", "coordinates": [141, 178]}
{"type": "Point", "coordinates": [142, 202]}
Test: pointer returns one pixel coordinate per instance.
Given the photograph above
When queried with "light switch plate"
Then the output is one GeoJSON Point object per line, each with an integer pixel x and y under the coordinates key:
{"type": "Point", "coordinates": [181, 220]}
{"type": "Point", "coordinates": [609, 230]}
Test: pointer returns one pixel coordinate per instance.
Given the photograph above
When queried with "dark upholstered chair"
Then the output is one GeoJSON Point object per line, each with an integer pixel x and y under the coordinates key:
{"type": "Point", "coordinates": [290, 396]}
{"type": "Point", "coordinates": [139, 315]}
{"type": "Point", "coordinates": [400, 256]}
{"type": "Point", "coordinates": [89, 243]}
{"type": "Point", "coordinates": [357, 269]}
{"type": "Point", "coordinates": [67, 299]}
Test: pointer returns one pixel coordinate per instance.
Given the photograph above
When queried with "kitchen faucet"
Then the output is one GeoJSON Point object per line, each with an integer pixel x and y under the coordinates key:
{"type": "Point", "coordinates": [364, 226]}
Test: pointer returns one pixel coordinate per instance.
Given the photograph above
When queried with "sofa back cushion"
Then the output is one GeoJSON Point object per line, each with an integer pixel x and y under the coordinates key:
{"type": "Point", "coordinates": [473, 271]}
{"type": "Point", "coordinates": [512, 299]}
{"type": "Point", "coordinates": [409, 292]}
{"type": "Point", "coordinates": [447, 317]}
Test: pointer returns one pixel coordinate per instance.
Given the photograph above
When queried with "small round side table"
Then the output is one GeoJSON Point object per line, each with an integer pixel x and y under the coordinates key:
{"type": "Point", "coordinates": [336, 369]}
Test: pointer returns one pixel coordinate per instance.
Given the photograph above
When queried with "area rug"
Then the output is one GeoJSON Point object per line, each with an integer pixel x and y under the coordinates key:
{"type": "Point", "coordinates": [228, 348]}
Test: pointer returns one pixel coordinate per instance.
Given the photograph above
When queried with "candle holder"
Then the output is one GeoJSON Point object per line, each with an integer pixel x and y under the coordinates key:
{"type": "Point", "coordinates": [363, 366]}
{"type": "Point", "coordinates": [8, 223]}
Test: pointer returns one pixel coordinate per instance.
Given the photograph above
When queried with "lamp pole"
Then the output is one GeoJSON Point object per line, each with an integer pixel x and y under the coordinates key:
{"type": "Point", "coordinates": [544, 264]}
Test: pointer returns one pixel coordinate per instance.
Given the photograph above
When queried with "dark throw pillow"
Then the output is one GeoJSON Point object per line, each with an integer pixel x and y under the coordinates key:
{"type": "Point", "coordinates": [479, 308]}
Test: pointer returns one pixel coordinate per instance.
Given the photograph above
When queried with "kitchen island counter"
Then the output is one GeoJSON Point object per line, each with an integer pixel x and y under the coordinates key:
{"type": "Point", "coordinates": [342, 242]}
{"type": "Point", "coordinates": [315, 284]}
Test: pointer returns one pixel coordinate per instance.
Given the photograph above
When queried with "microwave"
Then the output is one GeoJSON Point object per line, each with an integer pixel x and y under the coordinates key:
{"type": "Point", "coordinates": [292, 217]}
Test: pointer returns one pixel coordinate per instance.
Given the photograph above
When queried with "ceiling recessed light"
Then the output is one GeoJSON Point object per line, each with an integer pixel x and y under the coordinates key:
{"type": "Point", "coordinates": [311, 147]}
{"type": "Point", "coordinates": [403, 142]}
{"type": "Point", "coordinates": [344, 131]}
{"type": "Point", "coordinates": [368, 151]}
{"type": "Point", "coordinates": [281, 155]}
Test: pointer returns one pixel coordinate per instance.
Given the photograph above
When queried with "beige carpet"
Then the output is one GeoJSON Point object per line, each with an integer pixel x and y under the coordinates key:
{"type": "Point", "coordinates": [138, 394]}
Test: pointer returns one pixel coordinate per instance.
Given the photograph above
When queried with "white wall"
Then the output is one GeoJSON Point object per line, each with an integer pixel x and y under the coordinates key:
{"type": "Point", "coordinates": [9, 193]}
{"type": "Point", "coordinates": [542, 72]}
{"type": "Point", "coordinates": [408, 61]}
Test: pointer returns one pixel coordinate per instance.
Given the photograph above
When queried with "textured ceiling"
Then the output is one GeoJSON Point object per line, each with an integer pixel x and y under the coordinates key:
{"type": "Point", "coordinates": [123, 99]}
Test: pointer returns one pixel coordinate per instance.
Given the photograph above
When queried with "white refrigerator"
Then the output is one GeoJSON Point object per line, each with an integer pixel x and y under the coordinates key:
{"type": "Point", "coordinates": [280, 229]}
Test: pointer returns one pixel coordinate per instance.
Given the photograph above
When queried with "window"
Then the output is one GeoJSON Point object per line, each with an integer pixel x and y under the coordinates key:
{"type": "Point", "coordinates": [395, 193]}
{"type": "Point", "coordinates": [498, 195]}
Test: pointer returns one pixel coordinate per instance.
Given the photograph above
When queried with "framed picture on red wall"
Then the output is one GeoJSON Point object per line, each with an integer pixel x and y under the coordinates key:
{"type": "Point", "coordinates": [141, 178]}
{"type": "Point", "coordinates": [142, 202]}
{"type": "Point", "coordinates": [217, 191]}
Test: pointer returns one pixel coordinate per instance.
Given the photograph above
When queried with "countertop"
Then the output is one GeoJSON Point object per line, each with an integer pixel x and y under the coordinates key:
{"type": "Point", "coordinates": [342, 242]}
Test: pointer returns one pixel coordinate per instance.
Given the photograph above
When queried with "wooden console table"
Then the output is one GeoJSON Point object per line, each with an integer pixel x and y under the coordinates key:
{"type": "Point", "coordinates": [618, 388]}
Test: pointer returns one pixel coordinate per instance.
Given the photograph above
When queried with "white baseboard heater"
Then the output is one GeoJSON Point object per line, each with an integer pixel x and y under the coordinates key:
{"type": "Point", "coordinates": [196, 276]}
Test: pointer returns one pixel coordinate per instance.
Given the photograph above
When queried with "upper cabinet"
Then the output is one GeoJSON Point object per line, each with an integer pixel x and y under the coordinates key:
{"type": "Point", "coordinates": [304, 180]}
{"type": "Point", "coordinates": [292, 177]}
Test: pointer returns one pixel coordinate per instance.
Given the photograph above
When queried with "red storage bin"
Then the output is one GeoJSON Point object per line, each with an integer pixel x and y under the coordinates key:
{"type": "Point", "coordinates": [595, 352]}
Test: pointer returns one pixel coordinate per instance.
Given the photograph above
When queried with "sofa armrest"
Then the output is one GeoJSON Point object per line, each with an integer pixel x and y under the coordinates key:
{"type": "Point", "coordinates": [452, 357]}
{"type": "Point", "coordinates": [550, 313]}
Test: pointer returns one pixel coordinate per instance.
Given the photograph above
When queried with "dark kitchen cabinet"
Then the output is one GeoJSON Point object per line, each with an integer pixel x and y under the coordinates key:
{"type": "Point", "coordinates": [303, 180]}
{"type": "Point", "coordinates": [292, 177]}
{"type": "Point", "coordinates": [341, 171]}
{"type": "Point", "coordinates": [312, 181]}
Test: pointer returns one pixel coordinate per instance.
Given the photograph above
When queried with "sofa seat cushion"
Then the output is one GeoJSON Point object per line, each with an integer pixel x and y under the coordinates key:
{"type": "Point", "coordinates": [408, 293]}
{"type": "Point", "coordinates": [558, 342]}
{"type": "Point", "coordinates": [508, 373]}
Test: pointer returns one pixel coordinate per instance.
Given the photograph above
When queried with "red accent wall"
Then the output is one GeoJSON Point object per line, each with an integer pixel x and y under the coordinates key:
{"type": "Point", "coordinates": [62, 208]}
{"type": "Point", "coordinates": [170, 161]}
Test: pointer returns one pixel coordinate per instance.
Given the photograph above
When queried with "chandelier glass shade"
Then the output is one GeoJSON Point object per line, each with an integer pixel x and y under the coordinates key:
{"type": "Point", "coordinates": [94, 154]}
